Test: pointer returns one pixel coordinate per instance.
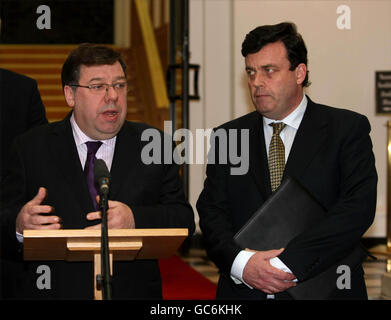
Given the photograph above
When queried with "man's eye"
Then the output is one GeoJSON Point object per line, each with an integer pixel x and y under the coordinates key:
{"type": "Point", "coordinates": [97, 87]}
{"type": "Point", "coordinates": [120, 85]}
{"type": "Point", "coordinates": [250, 72]}
{"type": "Point", "coordinates": [269, 70]}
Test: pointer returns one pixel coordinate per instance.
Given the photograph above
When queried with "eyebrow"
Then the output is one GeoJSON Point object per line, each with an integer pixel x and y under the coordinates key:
{"type": "Point", "coordinates": [102, 79]}
{"type": "Point", "coordinates": [269, 65]}
{"type": "Point", "coordinates": [263, 66]}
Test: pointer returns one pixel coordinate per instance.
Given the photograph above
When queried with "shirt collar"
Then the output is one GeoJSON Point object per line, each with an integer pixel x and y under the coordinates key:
{"type": "Point", "coordinates": [295, 117]}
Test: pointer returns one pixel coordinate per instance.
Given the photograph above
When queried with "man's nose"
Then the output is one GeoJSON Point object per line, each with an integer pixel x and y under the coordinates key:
{"type": "Point", "coordinates": [259, 80]}
{"type": "Point", "coordinates": [111, 94]}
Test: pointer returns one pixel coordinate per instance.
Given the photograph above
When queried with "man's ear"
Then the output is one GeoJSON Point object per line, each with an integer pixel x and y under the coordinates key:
{"type": "Point", "coordinates": [69, 94]}
{"type": "Point", "coordinates": [301, 72]}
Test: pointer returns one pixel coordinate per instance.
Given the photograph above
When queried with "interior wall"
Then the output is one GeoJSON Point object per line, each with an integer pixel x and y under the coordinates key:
{"type": "Point", "coordinates": [342, 64]}
{"type": "Point", "coordinates": [210, 35]}
{"type": "Point", "coordinates": [122, 23]}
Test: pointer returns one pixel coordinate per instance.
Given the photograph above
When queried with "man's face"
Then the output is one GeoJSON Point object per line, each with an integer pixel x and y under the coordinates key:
{"type": "Point", "coordinates": [99, 114]}
{"type": "Point", "coordinates": [275, 90]}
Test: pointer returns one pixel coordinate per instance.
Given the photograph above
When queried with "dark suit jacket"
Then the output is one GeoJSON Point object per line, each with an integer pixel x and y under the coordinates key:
{"type": "Point", "coordinates": [21, 108]}
{"type": "Point", "coordinates": [47, 157]}
{"type": "Point", "coordinates": [332, 157]}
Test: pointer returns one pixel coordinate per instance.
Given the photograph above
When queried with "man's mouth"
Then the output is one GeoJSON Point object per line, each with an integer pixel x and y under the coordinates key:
{"type": "Point", "coordinates": [259, 96]}
{"type": "Point", "coordinates": [110, 115]}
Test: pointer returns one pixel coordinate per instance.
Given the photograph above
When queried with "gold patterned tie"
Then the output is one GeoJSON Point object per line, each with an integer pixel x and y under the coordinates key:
{"type": "Point", "coordinates": [276, 155]}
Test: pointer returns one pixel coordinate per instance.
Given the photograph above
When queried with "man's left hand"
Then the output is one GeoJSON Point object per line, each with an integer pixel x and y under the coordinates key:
{"type": "Point", "coordinates": [119, 216]}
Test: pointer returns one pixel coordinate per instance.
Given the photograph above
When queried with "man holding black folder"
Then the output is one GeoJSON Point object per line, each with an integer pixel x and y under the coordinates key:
{"type": "Point", "coordinates": [327, 150]}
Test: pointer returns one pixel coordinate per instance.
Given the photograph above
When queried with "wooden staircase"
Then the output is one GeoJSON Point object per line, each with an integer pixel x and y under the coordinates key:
{"type": "Point", "coordinates": [146, 63]}
{"type": "Point", "coordinates": [44, 63]}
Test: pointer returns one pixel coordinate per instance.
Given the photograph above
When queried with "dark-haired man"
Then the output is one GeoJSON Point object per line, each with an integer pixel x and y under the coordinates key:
{"type": "Point", "coordinates": [49, 186]}
{"type": "Point", "coordinates": [327, 149]}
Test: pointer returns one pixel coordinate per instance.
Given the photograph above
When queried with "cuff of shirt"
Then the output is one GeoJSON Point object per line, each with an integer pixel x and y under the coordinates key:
{"type": "Point", "coordinates": [238, 266]}
{"type": "Point", "coordinates": [241, 261]}
{"type": "Point", "coordinates": [19, 237]}
{"type": "Point", "coordinates": [277, 263]}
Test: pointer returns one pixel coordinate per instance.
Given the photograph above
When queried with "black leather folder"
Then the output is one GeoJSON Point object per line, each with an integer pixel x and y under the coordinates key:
{"type": "Point", "coordinates": [289, 211]}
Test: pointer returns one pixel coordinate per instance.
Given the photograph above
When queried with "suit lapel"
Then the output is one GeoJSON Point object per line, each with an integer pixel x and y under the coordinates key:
{"type": "Point", "coordinates": [64, 151]}
{"type": "Point", "coordinates": [259, 169]}
{"type": "Point", "coordinates": [309, 138]}
{"type": "Point", "coordinates": [126, 159]}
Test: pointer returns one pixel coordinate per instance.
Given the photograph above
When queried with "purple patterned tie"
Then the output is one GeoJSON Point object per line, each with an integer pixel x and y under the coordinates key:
{"type": "Point", "coordinates": [92, 148]}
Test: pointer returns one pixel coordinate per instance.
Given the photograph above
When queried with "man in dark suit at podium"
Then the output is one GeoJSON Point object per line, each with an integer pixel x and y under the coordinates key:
{"type": "Point", "coordinates": [49, 187]}
{"type": "Point", "coordinates": [328, 150]}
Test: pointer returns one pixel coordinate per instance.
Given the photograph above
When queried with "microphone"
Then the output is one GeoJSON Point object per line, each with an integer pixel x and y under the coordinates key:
{"type": "Point", "coordinates": [102, 179]}
{"type": "Point", "coordinates": [102, 176]}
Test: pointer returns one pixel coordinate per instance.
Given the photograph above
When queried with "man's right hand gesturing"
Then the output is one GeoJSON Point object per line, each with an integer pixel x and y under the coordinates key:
{"type": "Point", "coordinates": [30, 216]}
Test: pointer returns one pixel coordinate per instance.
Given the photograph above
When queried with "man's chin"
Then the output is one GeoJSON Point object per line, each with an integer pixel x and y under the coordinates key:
{"type": "Point", "coordinates": [264, 110]}
{"type": "Point", "coordinates": [108, 132]}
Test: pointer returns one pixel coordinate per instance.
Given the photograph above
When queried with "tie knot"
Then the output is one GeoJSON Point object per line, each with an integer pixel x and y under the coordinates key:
{"type": "Point", "coordinates": [277, 127]}
{"type": "Point", "coordinates": [93, 146]}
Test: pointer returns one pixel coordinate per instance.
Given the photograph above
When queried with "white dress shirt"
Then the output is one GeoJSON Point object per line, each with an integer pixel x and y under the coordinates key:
{"type": "Point", "coordinates": [105, 152]}
{"type": "Point", "coordinates": [287, 135]}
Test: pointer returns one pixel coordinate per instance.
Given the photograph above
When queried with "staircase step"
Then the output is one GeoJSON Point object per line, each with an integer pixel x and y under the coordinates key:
{"type": "Point", "coordinates": [33, 49]}
{"type": "Point", "coordinates": [33, 55]}
{"type": "Point", "coordinates": [33, 59]}
{"type": "Point", "coordinates": [35, 73]}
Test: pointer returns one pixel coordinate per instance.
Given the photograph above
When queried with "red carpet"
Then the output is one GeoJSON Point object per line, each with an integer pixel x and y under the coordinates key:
{"type": "Point", "coordinates": [181, 282]}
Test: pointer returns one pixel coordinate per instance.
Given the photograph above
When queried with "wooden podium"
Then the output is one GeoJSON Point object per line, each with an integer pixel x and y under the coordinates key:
{"type": "Point", "coordinates": [84, 245]}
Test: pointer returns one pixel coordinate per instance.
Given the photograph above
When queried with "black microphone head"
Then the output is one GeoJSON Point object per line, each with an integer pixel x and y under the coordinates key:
{"type": "Point", "coordinates": [101, 171]}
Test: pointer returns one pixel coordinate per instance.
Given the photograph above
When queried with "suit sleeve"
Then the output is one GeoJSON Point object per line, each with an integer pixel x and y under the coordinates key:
{"type": "Point", "coordinates": [12, 198]}
{"type": "Point", "coordinates": [215, 218]}
{"type": "Point", "coordinates": [171, 210]}
{"type": "Point", "coordinates": [36, 114]}
{"type": "Point", "coordinates": [325, 244]}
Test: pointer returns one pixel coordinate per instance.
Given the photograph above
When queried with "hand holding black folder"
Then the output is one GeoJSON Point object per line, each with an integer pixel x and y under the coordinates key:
{"type": "Point", "coordinates": [288, 212]}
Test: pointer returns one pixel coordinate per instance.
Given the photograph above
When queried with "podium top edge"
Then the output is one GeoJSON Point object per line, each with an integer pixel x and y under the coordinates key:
{"type": "Point", "coordinates": [87, 233]}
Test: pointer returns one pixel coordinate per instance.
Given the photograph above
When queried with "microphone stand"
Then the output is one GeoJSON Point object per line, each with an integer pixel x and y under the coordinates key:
{"type": "Point", "coordinates": [105, 277]}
